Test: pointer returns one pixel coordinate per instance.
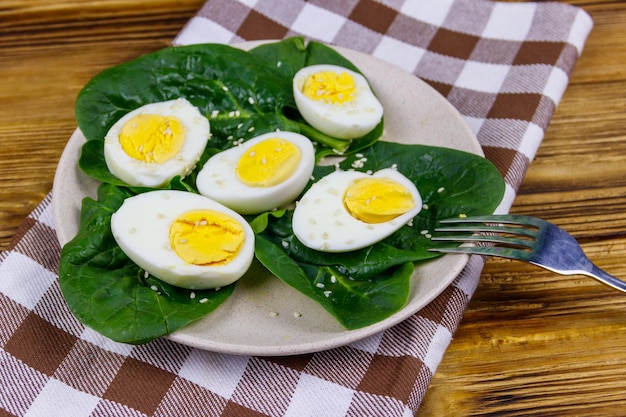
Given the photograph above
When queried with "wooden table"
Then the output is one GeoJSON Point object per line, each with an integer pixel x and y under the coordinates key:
{"type": "Point", "coordinates": [531, 342]}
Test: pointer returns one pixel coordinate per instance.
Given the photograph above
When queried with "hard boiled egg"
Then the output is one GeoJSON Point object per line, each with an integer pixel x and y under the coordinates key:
{"type": "Point", "coordinates": [154, 143]}
{"type": "Point", "coordinates": [336, 101]}
{"type": "Point", "coordinates": [259, 175]}
{"type": "Point", "coordinates": [184, 239]}
{"type": "Point", "coordinates": [349, 210]}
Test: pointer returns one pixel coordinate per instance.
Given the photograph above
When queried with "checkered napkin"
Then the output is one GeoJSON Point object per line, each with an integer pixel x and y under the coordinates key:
{"type": "Point", "coordinates": [504, 66]}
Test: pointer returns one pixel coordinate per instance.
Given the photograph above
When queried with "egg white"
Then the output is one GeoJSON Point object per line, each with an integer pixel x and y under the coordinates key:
{"type": "Point", "coordinates": [218, 178]}
{"type": "Point", "coordinates": [141, 229]}
{"type": "Point", "coordinates": [347, 120]}
{"type": "Point", "coordinates": [140, 173]}
{"type": "Point", "coordinates": [322, 222]}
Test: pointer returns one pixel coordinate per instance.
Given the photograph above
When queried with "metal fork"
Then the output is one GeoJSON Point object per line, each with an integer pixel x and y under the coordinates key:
{"type": "Point", "coordinates": [522, 238]}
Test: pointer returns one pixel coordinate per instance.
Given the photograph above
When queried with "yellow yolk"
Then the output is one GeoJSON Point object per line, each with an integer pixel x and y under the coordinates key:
{"type": "Point", "coordinates": [330, 87]}
{"type": "Point", "coordinates": [377, 200]}
{"type": "Point", "coordinates": [268, 163]}
{"type": "Point", "coordinates": [206, 237]}
{"type": "Point", "coordinates": [152, 138]}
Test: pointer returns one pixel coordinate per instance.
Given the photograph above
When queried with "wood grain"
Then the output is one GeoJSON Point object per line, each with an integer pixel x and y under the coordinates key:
{"type": "Point", "coordinates": [532, 343]}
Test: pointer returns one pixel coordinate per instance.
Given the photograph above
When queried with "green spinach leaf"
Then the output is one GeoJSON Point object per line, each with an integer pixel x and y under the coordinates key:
{"type": "Point", "coordinates": [355, 303]}
{"type": "Point", "coordinates": [109, 293]}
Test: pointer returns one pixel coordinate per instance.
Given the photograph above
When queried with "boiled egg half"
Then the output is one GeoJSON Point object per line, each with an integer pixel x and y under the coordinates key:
{"type": "Point", "coordinates": [336, 101]}
{"type": "Point", "coordinates": [259, 175]}
{"type": "Point", "coordinates": [349, 210]}
{"type": "Point", "coordinates": [156, 142]}
{"type": "Point", "coordinates": [184, 239]}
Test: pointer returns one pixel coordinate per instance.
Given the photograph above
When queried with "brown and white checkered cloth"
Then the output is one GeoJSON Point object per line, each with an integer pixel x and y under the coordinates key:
{"type": "Point", "coordinates": [504, 66]}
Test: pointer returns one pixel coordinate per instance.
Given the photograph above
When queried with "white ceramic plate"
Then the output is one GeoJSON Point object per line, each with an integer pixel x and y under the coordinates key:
{"type": "Point", "coordinates": [265, 316]}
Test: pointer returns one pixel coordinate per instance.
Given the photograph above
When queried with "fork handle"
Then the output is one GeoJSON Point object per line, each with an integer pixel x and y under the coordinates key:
{"type": "Point", "coordinates": [606, 278]}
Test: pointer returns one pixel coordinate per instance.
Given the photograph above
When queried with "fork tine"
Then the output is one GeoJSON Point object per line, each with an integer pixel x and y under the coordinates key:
{"type": "Point", "coordinates": [495, 218]}
{"type": "Point", "coordinates": [512, 231]}
{"type": "Point", "coordinates": [470, 227]}
{"type": "Point", "coordinates": [507, 240]}
{"type": "Point", "coordinates": [518, 254]}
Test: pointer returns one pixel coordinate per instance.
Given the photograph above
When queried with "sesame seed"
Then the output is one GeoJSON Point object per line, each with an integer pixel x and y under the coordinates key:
{"type": "Point", "coordinates": [204, 300]}
{"type": "Point", "coordinates": [327, 293]}
{"type": "Point", "coordinates": [440, 190]}
{"type": "Point", "coordinates": [251, 100]}
{"type": "Point", "coordinates": [192, 295]}
{"type": "Point", "coordinates": [297, 314]}
{"type": "Point", "coordinates": [146, 274]}
{"type": "Point", "coordinates": [273, 314]}
{"type": "Point", "coordinates": [224, 88]}
{"type": "Point", "coordinates": [333, 279]}
{"type": "Point", "coordinates": [154, 288]}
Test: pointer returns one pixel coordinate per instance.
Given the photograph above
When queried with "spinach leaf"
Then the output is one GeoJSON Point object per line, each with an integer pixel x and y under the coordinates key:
{"type": "Point", "coordinates": [451, 183]}
{"type": "Point", "coordinates": [109, 293]}
{"type": "Point", "coordinates": [243, 94]}
{"type": "Point", "coordinates": [355, 303]}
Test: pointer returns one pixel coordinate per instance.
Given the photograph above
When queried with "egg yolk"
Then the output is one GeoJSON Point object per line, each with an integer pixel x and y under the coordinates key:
{"type": "Point", "coordinates": [268, 163]}
{"type": "Point", "coordinates": [206, 237]}
{"type": "Point", "coordinates": [152, 138]}
{"type": "Point", "coordinates": [330, 87]}
{"type": "Point", "coordinates": [377, 200]}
